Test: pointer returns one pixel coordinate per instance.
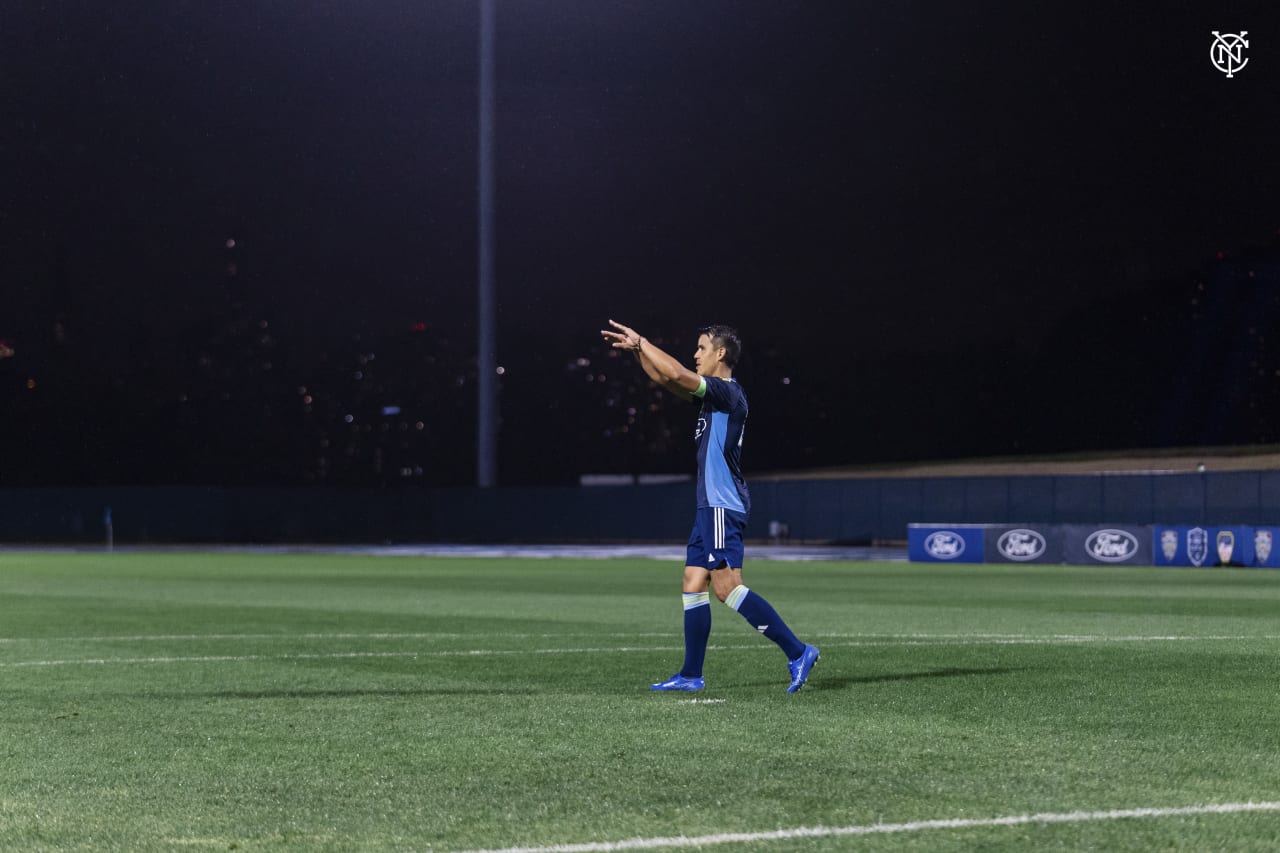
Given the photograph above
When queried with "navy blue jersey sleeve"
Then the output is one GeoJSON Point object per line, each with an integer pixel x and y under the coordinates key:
{"type": "Point", "coordinates": [722, 395]}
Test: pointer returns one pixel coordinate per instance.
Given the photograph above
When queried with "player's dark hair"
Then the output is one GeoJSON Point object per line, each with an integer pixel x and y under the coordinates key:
{"type": "Point", "coordinates": [727, 337]}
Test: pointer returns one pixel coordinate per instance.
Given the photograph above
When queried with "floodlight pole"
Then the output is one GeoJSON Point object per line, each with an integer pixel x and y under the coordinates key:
{"type": "Point", "coordinates": [487, 392]}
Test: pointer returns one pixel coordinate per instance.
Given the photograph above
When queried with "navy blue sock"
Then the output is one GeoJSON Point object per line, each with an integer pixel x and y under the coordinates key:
{"type": "Point", "coordinates": [765, 619]}
{"type": "Point", "coordinates": [697, 628]}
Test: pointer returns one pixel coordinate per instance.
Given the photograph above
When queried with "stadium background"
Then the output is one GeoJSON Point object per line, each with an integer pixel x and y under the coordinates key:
{"type": "Point", "coordinates": [871, 506]}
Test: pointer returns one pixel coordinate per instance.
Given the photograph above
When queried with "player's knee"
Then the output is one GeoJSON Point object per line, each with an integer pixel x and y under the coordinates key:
{"type": "Point", "coordinates": [734, 596]}
{"type": "Point", "coordinates": [730, 593]}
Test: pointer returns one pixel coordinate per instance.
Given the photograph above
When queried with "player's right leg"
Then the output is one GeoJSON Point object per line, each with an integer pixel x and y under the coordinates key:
{"type": "Point", "coordinates": [697, 620]}
{"type": "Point", "coordinates": [697, 630]}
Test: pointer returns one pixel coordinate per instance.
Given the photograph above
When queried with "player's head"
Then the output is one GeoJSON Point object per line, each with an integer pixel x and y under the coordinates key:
{"type": "Point", "coordinates": [724, 341]}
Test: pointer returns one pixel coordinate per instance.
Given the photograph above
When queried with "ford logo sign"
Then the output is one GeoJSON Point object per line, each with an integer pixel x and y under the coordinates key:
{"type": "Point", "coordinates": [1111, 546]}
{"type": "Point", "coordinates": [1021, 545]}
{"type": "Point", "coordinates": [944, 545]}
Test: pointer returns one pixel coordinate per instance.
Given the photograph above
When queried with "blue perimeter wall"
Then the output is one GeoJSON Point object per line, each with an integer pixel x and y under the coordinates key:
{"type": "Point", "coordinates": [816, 510]}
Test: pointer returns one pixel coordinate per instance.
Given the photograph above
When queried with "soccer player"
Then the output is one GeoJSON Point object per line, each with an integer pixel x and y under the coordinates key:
{"type": "Point", "coordinates": [714, 555]}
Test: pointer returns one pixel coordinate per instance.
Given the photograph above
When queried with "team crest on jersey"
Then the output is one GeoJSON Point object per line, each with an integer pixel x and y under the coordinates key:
{"type": "Point", "coordinates": [1226, 545]}
{"type": "Point", "coordinates": [1169, 543]}
{"type": "Point", "coordinates": [699, 429]}
{"type": "Point", "coordinates": [1262, 545]}
{"type": "Point", "coordinates": [1197, 545]}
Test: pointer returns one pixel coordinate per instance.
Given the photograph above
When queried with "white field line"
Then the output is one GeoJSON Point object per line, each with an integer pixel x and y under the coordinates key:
{"type": "Point", "coordinates": [957, 640]}
{"type": "Point", "coordinates": [887, 828]}
{"type": "Point", "coordinates": [868, 638]}
{"type": "Point", "coordinates": [342, 655]}
{"type": "Point", "coordinates": [409, 635]}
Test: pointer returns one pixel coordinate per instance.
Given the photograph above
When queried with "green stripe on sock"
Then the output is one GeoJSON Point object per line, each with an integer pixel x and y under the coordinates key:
{"type": "Point", "coordinates": [695, 599]}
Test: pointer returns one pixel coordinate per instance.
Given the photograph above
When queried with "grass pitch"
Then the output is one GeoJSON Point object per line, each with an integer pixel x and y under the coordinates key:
{"type": "Point", "coordinates": [186, 701]}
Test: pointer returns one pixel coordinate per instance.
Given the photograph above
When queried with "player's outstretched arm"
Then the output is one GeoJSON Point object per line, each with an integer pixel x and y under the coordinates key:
{"type": "Point", "coordinates": [660, 366]}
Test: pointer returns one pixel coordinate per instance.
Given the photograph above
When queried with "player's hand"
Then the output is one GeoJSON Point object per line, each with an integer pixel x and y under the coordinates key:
{"type": "Point", "coordinates": [624, 338]}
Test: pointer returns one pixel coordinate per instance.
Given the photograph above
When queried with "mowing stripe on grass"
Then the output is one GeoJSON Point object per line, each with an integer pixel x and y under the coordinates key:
{"type": "Point", "coordinates": [1063, 640]}
{"type": "Point", "coordinates": [886, 828]}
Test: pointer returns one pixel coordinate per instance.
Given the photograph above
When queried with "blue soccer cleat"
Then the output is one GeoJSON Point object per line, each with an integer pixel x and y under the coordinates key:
{"type": "Point", "coordinates": [801, 667]}
{"type": "Point", "coordinates": [678, 682]}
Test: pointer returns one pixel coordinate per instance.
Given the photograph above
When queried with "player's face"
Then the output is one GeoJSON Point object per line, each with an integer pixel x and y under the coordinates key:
{"type": "Point", "coordinates": [706, 356]}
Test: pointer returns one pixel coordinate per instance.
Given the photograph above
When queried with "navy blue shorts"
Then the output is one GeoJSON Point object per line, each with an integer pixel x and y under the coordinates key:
{"type": "Point", "coordinates": [716, 540]}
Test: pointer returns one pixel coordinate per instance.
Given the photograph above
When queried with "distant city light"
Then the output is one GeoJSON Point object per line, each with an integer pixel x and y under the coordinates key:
{"type": "Point", "coordinates": [390, 410]}
{"type": "Point", "coordinates": [231, 242]}
{"type": "Point", "coordinates": [500, 370]}
{"type": "Point", "coordinates": [786, 380]}
{"type": "Point", "coordinates": [348, 418]}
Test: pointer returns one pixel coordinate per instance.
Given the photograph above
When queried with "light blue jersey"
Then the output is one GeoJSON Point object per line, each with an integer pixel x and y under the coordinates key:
{"type": "Point", "coordinates": [719, 435]}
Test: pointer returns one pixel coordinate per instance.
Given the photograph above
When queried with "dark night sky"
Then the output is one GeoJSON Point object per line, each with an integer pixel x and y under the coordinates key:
{"type": "Point", "coordinates": [915, 178]}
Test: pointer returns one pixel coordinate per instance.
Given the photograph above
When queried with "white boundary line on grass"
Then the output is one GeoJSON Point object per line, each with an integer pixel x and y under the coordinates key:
{"type": "Point", "coordinates": [373, 635]}
{"type": "Point", "coordinates": [861, 638]}
{"type": "Point", "coordinates": [345, 655]}
{"type": "Point", "coordinates": [886, 828]}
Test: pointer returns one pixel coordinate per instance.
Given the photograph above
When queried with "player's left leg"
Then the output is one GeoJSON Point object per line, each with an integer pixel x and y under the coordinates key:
{"type": "Point", "coordinates": [756, 610]}
{"type": "Point", "coordinates": [726, 581]}
{"type": "Point", "coordinates": [753, 607]}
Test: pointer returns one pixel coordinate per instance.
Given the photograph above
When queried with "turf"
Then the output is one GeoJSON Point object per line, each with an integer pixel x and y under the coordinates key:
{"type": "Point", "coordinates": [188, 701]}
